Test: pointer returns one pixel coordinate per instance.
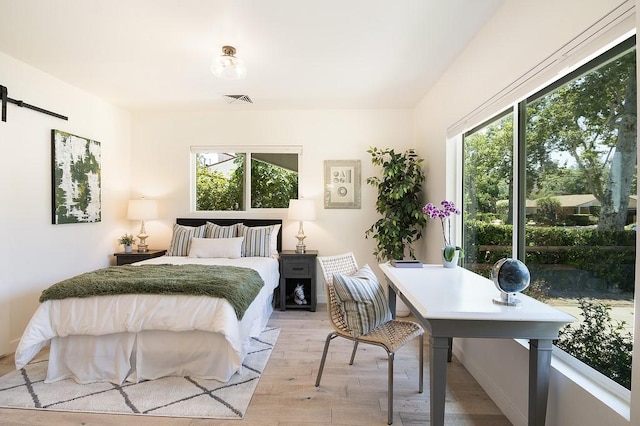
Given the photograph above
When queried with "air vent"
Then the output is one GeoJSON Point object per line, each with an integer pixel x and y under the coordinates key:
{"type": "Point", "coordinates": [238, 98]}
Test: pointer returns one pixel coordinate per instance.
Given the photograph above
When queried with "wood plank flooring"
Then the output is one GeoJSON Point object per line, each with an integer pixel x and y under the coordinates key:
{"type": "Point", "coordinates": [348, 395]}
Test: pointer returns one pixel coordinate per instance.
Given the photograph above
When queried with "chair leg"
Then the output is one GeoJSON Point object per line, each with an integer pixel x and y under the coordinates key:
{"type": "Point", "coordinates": [353, 353]}
{"type": "Point", "coordinates": [330, 337]}
{"type": "Point", "coordinates": [421, 357]}
{"type": "Point", "coordinates": [390, 388]}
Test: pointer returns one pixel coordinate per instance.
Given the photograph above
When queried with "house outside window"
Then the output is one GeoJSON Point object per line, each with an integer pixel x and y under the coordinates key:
{"type": "Point", "coordinates": [553, 182]}
{"type": "Point", "coordinates": [238, 179]}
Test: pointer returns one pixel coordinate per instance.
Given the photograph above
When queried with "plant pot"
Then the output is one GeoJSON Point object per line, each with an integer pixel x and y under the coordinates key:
{"type": "Point", "coordinates": [128, 249]}
{"type": "Point", "coordinates": [454, 262]}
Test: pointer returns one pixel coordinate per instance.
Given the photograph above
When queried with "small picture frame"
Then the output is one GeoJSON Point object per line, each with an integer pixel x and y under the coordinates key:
{"type": "Point", "coordinates": [342, 184]}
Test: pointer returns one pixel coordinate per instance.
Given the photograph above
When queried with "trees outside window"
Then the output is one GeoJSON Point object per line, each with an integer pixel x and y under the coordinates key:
{"type": "Point", "coordinates": [574, 217]}
{"type": "Point", "coordinates": [233, 181]}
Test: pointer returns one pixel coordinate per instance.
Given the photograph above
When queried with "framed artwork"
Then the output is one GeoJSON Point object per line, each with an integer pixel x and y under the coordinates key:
{"type": "Point", "coordinates": [342, 184]}
{"type": "Point", "coordinates": [75, 177]}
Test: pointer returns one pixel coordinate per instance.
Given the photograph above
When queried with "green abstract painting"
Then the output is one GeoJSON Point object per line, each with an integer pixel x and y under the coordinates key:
{"type": "Point", "coordinates": [75, 174]}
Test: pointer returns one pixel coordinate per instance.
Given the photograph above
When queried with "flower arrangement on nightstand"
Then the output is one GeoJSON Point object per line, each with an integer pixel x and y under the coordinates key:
{"type": "Point", "coordinates": [127, 241]}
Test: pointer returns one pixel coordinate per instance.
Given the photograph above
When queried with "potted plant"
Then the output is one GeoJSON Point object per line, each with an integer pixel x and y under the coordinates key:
{"type": "Point", "coordinates": [127, 241]}
{"type": "Point", "coordinates": [398, 202]}
{"type": "Point", "coordinates": [450, 251]}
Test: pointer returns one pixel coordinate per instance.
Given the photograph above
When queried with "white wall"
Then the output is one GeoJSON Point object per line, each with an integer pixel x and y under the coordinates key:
{"type": "Point", "coordinates": [160, 154]}
{"type": "Point", "coordinates": [521, 35]}
{"type": "Point", "coordinates": [34, 253]}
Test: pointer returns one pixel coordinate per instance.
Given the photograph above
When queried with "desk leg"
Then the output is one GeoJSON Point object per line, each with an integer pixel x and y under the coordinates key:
{"type": "Point", "coordinates": [539, 367]}
{"type": "Point", "coordinates": [439, 349]}
{"type": "Point", "coordinates": [392, 300]}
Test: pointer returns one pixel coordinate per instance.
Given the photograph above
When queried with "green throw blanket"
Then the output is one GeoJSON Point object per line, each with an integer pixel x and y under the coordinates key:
{"type": "Point", "coordinates": [238, 285]}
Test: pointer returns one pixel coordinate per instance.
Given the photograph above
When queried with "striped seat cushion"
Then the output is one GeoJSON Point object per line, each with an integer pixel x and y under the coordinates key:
{"type": "Point", "coordinates": [362, 299]}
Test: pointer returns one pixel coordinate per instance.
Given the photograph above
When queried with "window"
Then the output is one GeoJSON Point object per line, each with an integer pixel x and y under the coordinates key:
{"type": "Point", "coordinates": [565, 204]}
{"type": "Point", "coordinates": [487, 188]}
{"type": "Point", "coordinates": [233, 178]}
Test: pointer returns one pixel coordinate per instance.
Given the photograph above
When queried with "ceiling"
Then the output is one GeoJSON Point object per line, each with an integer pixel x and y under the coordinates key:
{"type": "Point", "coordinates": [156, 54]}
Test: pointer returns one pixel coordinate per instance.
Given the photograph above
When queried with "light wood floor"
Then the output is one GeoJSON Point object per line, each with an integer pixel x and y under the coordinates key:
{"type": "Point", "coordinates": [348, 395]}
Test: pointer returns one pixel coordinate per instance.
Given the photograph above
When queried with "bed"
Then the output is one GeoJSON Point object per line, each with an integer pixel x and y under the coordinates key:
{"type": "Point", "coordinates": [134, 337]}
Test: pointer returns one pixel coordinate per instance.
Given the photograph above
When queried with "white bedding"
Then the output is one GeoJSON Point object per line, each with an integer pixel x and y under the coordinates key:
{"type": "Point", "coordinates": [138, 337]}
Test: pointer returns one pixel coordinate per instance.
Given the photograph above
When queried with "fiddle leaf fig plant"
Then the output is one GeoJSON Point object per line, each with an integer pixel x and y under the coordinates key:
{"type": "Point", "coordinates": [398, 202]}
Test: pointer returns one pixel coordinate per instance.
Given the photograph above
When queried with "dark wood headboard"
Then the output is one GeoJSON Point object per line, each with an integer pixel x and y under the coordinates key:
{"type": "Point", "coordinates": [196, 221]}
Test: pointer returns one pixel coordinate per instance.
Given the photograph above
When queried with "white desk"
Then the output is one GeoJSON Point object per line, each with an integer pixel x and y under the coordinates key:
{"type": "Point", "coordinates": [459, 303]}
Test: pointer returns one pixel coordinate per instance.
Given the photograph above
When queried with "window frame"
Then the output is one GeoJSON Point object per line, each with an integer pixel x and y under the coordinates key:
{"type": "Point", "coordinates": [601, 386]}
{"type": "Point", "coordinates": [248, 150]}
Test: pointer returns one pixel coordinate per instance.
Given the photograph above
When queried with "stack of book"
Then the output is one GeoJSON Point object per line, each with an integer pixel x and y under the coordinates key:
{"type": "Point", "coordinates": [406, 263]}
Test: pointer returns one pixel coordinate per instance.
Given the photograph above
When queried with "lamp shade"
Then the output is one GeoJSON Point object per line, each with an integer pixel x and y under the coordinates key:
{"type": "Point", "coordinates": [302, 210]}
{"type": "Point", "coordinates": [228, 66]}
{"type": "Point", "coordinates": [142, 210]}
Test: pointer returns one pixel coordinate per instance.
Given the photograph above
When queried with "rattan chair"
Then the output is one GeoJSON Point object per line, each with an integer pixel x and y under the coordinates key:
{"type": "Point", "coordinates": [391, 336]}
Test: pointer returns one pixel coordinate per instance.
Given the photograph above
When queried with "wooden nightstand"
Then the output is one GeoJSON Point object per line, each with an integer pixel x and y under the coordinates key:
{"type": "Point", "coordinates": [123, 258]}
{"type": "Point", "coordinates": [298, 269]}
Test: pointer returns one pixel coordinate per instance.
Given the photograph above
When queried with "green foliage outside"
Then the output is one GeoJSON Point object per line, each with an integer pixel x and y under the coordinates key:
{"type": "Point", "coordinates": [216, 192]}
{"type": "Point", "coordinates": [549, 210]}
{"type": "Point", "coordinates": [586, 249]}
{"type": "Point", "coordinates": [576, 137]}
{"type": "Point", "coordinates": [271, 186]}
{"type": "Point", "coordinates": [580, 138]}
{"type": "Point", "coordinates": [600, 342]}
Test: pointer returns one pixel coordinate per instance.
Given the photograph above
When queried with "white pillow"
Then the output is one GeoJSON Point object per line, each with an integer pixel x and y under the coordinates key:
{"type": "Point", "coordinates": [274, 240]}
{"type": "Point", "coordinates": [216, 247]}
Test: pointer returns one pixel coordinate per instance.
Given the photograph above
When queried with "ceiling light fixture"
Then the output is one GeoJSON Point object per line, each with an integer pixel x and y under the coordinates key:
{"type": "Point", "coordinates": [227, 66]}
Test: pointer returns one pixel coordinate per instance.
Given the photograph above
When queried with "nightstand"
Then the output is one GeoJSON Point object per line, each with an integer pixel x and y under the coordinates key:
{"type": "Point", "coordinates": [123, 258]}
{"type": "Point", "coordinates": [298, 269]}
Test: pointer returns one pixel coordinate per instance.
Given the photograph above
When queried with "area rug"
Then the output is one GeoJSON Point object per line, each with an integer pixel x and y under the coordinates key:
{"type": "Point", "coordinates": [169, 396]}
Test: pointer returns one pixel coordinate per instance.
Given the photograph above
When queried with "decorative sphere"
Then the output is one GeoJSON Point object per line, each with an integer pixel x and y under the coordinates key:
{"type": "Point", "coordinates": [510, 275]}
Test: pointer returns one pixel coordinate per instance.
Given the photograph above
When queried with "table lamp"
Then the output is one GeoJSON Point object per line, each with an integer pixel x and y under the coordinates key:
{"type": "Point", "coordinates": [301, 210]}
{"type": "Point", "coordinates": [142, 210]}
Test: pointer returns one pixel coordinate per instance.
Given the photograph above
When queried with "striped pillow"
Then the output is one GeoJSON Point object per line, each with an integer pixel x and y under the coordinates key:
{"type": "Point", "coordinates": [217, 231]}
{"type": "Point", "coordinates": [257, 240]}
{"type": "Point", "coordinates": [362, 299]}
{"type": "Point", "coordinates": [181, 239]}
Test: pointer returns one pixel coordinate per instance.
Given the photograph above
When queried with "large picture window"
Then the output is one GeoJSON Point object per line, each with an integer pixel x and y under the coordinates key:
{"type": "Point", "coordinates": [239, 179]}
{"type": "Point", "coordinates": [559, 193]}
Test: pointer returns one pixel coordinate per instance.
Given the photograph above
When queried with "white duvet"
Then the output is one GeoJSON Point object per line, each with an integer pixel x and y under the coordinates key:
{"type": "Point", "coordinates": [125, 319]}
